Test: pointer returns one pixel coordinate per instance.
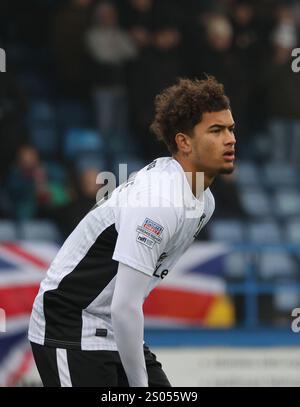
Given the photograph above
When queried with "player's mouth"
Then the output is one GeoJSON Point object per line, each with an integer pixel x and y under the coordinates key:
{"type": "Point", "coordinates": [229, 155]}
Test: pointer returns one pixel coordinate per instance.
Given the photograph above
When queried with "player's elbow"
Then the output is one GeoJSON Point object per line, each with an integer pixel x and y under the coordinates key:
{"type": "Point", "coordinates": [124, 311]}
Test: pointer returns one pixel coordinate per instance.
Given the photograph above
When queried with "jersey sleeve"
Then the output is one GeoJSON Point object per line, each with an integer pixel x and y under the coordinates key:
{"type": "Point", "coordinates": [143, 235]}
{"type": "Point", "coordinates": [128, 322]}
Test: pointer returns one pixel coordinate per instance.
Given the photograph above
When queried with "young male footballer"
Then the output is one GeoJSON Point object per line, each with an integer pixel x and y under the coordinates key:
{"type": "Point", "coordinates": [87, 324]}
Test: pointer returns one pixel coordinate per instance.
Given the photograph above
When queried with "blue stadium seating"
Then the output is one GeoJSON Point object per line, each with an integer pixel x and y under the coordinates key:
{"type": "Point", "coordinates": [46, 140]}
{"type": "Point", "coordinates": [292, 231]}
{"type": "Point", "coordinates": [287, 202]}
{"type": "Point", "coordinates": [255, 201]}
{"type": "Point", "coordinates": [87, 161]}
{"type": "Point", "coordinates": [38, 230]}
{"type": "Point", "coordinates": [284, 300]}
{"type": "Point", "coordinates": [41, 111]}
{"type": "Point", "coordinates": [277, 174]}
{"type": "Point", "coordinates": [230, 231]}
{"type": "Point", "coordinates": [247, 174]}
{"type": "Point", "coordinates": [264, 232]}
{"type": "Point", "coordinates": [276, 265]}
{"type": "Point", "coordinates": [235, 265]}
{"type": "Point", "coordinates": [8, 230]}
{"type": "Point", "coordinates": [43, 132]}
{"type": "Point", "coordinates": [72, 114]}
{"type": "Point", "coordinates": [82, 141]}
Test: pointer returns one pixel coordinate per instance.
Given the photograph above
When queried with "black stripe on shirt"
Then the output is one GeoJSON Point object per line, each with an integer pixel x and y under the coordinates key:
{"type": "Point", "coordinates": [63, 306]}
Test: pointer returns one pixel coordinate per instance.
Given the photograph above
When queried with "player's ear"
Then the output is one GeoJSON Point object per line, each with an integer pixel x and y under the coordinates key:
{"type": "Point", "coordinates": [183, 142]}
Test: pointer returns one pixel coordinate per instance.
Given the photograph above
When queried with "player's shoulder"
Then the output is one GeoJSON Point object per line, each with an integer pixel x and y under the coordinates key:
{"type": "Point", "coordinates": [161, 164]}
{"type": "Point", "coordinates": [159, 178]}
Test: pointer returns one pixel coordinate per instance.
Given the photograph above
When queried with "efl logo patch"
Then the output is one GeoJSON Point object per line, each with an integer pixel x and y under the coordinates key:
{"type": "Point", "coordinates": [151, 229]}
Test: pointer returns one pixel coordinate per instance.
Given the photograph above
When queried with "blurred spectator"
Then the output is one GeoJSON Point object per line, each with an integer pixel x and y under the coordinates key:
{"type": "Point", "coordinates": [245, 39]}
{"type": "Point", "coordinates": [32, 188]}
{"type": "Point", "coordinates": [12, 109]}
{"type": "Point", "coordinates": [218, 58]}
{"type": "Point", "coordinates": [110, 48]}
{"type": "Point", "coordinates": [139, 19]}
{"type": "Point", "coordinates": [282, 88]}
{"type": "Point", "coordinates": [157, 67]}
{"type": "Point", "coordinates": [69, 27]}
{"type": "Point", "coordinates": [70, 215]}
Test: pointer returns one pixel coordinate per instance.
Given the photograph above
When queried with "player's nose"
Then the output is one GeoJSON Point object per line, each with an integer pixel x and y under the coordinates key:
{"type": "Point", "coordinates": [230, 138]}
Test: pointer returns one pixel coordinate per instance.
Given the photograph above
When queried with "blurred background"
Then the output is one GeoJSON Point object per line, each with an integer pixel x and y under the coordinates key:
{"type": "Point", "coordinates": [77, 99]}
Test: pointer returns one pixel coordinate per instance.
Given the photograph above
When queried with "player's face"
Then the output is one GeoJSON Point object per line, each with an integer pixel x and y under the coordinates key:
{"type": "Point", "coordinates": [213, 143]}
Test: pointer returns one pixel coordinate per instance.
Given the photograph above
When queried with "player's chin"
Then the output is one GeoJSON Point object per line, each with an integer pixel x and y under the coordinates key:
{"type": "Point", "coordinates": [227, 168]}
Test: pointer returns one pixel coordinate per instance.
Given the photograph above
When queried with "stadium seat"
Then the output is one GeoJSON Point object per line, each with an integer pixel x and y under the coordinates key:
{"type": "Point", "coordinates": [277, 174]}
{"type": "Point", "coordinates": [230, 231]}
{"type": "Point", "coordinates": [292, 231]}
{"type": "Point", "coordinates": [43, 132]}
{"type": "Point", "coordinates": [247, 173]}
{"type": "Point", "coordinates": [82, 141]}
{"type": "Point", "coordinates": [41, 111]}
{"type": "Point", "coordinates": [73, 114]}
{"type": "Point", "coordinates": [87, 161]}
{"type": "Point", "coordinates": [275, 265]}
{"type": "Point", "coordinates": [285, 299]}
{"type": "Point", "coordinates": [8, 230]}
{"type": "Point", "coordinates": [46, 140]}
{"type": "Point", "coordinates": [287, 202]}
{"type": "Point", "coordinates": [235, 265]}
{"type": "Point", "coordinates": [264, 232]}
{"type": "Point", "coordinates": [38, 230]}
{"type": "Point", "coordinates": [255, 201]}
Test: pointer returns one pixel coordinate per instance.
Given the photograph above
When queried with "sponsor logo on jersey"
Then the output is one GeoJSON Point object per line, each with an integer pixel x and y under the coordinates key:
{"type": "Point", "coordinates": [152, 227]}
{"type": "Point", "coordinates": [149, 233]}
{"type": "Point", "coordinates": [141, 238]}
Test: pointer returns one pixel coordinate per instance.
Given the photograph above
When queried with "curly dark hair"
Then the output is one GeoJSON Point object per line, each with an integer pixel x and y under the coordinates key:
{"type": "Point", "coordinates": [180, 107]}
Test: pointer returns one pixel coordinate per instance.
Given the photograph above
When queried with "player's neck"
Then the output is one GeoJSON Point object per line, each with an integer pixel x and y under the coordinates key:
{"type": "Point", "coordinates": [189, 167]}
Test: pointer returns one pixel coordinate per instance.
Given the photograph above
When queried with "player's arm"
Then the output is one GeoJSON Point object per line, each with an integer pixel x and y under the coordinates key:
{"type": "Point", "coordinates": [128, 322]}
{"type": "Point", "coordinates": [143, 234]}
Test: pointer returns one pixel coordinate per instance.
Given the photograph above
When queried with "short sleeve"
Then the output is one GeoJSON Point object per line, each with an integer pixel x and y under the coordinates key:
{"type": "Point", "coordinates": [143, 235]}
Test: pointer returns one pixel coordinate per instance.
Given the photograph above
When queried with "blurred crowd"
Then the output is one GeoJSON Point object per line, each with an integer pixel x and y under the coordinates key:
{"type": "Point", "coordinates": [81, 77]}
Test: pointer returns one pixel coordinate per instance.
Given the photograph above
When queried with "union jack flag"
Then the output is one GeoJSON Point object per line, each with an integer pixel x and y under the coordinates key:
{"type": "Point", "coordinates": [192, 295]}
{"type": "Point", "coordinates": [22, 267]}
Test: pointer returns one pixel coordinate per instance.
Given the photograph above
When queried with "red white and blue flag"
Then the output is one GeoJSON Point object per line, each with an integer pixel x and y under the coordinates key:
{"type": "Point", "coordinates": [192, 295]}
{"type": "Point", "coordinates": [22, 266]}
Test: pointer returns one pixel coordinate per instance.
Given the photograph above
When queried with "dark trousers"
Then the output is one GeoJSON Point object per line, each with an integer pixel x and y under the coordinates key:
{"type": "Point", "coordinates": [80, 368]}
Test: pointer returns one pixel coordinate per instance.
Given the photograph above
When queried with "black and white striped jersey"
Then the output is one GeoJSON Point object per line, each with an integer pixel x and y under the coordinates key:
{"type": "Point", "coordinates": [147, 224]}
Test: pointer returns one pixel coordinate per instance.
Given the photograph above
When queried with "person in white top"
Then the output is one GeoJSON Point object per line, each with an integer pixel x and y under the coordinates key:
{"type": "Point", "coordinates": [87, 323]}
